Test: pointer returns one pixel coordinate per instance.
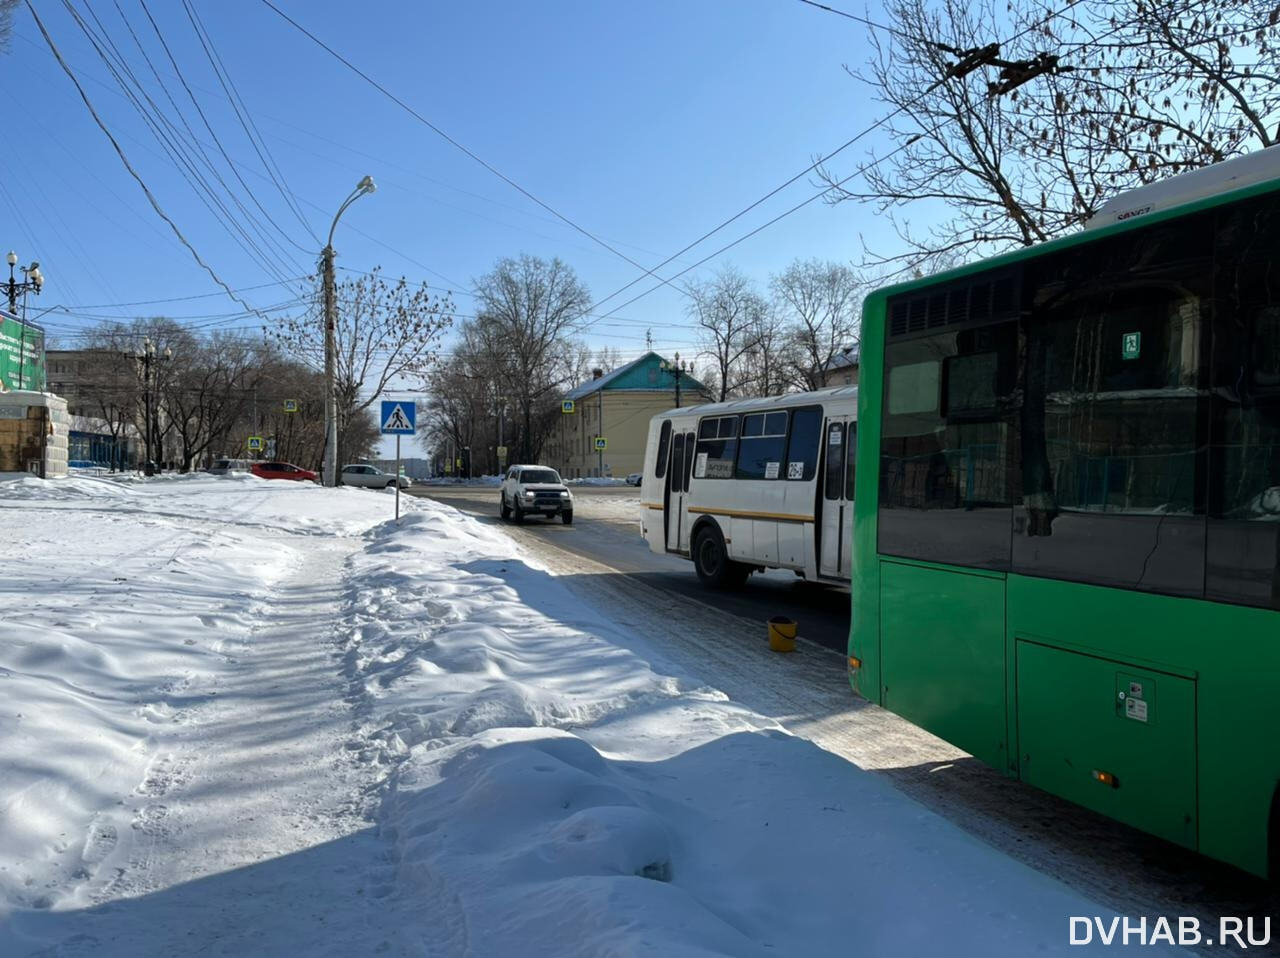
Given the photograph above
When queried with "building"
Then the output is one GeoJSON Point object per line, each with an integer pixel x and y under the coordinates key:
{"type": "Point", "coordinates": [100, 391]}
{"type": "Point", "coordinates": [616, 407]}
{"type": "Point", "coordinates": [843, 368]}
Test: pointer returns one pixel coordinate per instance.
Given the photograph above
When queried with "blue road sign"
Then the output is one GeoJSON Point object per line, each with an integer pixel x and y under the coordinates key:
{"type": "Point", "coordinates": [398, 417]}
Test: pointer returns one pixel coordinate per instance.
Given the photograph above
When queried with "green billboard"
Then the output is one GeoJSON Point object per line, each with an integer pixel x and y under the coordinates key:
{"type": "Point", "coordinates": [21, 354]}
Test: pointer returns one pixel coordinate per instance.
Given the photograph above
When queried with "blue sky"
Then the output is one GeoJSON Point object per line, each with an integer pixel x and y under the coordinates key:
{"type": "Point", "coordinates": [647, 124]}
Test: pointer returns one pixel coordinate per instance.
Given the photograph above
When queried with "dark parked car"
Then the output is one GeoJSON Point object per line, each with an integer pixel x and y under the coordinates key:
{"type": "Point", "coordinates": [282, 470]}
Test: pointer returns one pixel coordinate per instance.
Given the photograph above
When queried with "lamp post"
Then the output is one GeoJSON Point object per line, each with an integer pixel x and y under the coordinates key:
{"type": "Point", "coordinates": [676, 368]}
{"type": "Point", "coordinates": [148, 356]}
{"type": "Point", "coordinates": [330, 471]}
{"type": "Point", "coordinates": [32, 281]}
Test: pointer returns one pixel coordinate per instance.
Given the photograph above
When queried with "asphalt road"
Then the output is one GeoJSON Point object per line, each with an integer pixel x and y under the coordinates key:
{"type": "Point", "coordinates": [600, 534]}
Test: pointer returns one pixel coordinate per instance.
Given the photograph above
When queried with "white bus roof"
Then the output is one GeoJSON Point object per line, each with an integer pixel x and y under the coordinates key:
{"type": "Point", "coordinates": [1241, 171]}
{"type": "Point", "coordinates": [785, 401]}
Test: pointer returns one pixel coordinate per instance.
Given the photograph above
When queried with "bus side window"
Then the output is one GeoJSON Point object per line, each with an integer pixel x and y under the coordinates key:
{"type": "Point", "coordinates": [762, 446]}
{"type": "Point", "coordinates": [664, 445]}
{"type": "Point", "coordinates": [835, 460]}
{"type": "Point", "coordinates": [1243, 548]}
{"type": "Point", "coordinates": [718, 443]}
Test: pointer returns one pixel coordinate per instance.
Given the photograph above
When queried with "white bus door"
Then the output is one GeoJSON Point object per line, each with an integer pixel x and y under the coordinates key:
{"type": "Point", "coordinates": [835, 538]}
{"type": "Point", "coordinates": [679, 467]}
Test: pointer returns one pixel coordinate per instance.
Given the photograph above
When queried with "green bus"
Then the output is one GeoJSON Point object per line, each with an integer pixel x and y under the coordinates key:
{"type": "Point", "coordinates": [1067, 511]}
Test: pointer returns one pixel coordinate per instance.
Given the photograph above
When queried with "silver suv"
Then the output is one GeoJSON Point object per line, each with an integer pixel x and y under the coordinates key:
{"type": "Point", "coordinates": [534, 491]}
{"type": "Point", "coordinates": [226, 467]}
{"type": "Point", "coordinates": [369, 477]}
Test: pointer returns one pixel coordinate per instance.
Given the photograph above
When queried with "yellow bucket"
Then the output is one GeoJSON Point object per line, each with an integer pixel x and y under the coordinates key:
{"type": "Point", "coordinates": [782, 634]}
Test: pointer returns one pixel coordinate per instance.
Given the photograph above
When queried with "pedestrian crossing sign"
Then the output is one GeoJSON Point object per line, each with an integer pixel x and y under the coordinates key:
{"type": "Point", "coordinates": [398, 418]}
{"type": "Point", "coordinates": [566, 406]}
{"type": "Point", "coordinates": [602, 443]}
{"type": "Point", "coordinates": [255, 443]}
{"type": "Point", "coordinates": [291, 405]}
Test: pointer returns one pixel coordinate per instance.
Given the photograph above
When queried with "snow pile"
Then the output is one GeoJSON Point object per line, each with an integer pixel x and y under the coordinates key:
{"type": "Point", "coordinates": [459, 481]}
{"type": "Point", "coordinates": [31, 488]}
{"type": "Point", "coordinates": [554, 789]}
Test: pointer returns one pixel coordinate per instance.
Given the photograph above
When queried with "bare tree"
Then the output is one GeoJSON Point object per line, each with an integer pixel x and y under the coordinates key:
{"type": "Point", "coordinates": [298, 435]}
{"type": "Point", "coordinates": [210, 388]}
{"type": "Point", "coordinates": [463, 395]}
{"type": "Point", "coordinates": [607, 359]}
{"type": "Point", "coordinates": [769, 363]}
{"type": "Point", "coordinates": [821, 303]}
{"type": "Point", "coordinates": [1158, 87]}
{"type": "Point", "coordinates": [728, 312]}
{"type": "Point", "coordinates": [1089, 101]}
{"type": "Point", "coordinates": [529, 309]}
{"type": "Point", "coordinates": [6, 23]}
{"type": "Point", "coordinates": [386, 331]}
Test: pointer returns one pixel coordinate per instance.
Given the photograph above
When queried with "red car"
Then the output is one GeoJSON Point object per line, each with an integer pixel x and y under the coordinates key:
{"type": "Point", "coordinates": [281, 470]}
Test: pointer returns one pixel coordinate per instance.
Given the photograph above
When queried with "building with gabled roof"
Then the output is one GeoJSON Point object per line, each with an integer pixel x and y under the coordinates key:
{"type": "Point", "coordinates": [617, 406]}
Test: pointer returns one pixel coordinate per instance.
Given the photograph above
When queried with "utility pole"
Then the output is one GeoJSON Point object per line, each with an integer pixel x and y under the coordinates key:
{"type": "Point", "coordinates": [330, 386]}
{"type": "Point", "coordinates": [601, 432]}
{"type": "Point", "coordinates": [330, 472]}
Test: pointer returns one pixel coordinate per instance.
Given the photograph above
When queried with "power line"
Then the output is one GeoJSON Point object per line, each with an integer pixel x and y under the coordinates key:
{"type": "Point", "coordinates": [445, 136]}
{"type": "Point", "coordinates": [155, 205]}
{"type": "Point", "coordinates": [205, 120]}
{"type": "Point", "coordinates": [245, 117]}
{"type": "Point", "coordinates": [178, 299]}
{"type": "Point", "coordinates": [863, 20]}
{"type": "Point", "coordinates": [858, 172]}
{"type": "Point", "coordinates": [879, 123]}
{"type": "Point", "coordinates": [171, 140]}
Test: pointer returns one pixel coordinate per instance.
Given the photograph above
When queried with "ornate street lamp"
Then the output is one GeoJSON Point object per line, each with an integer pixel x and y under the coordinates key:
{"type": "Point", "coordinates": [676, 368]}
{"type": "Point", "coordinates": [32, 282]}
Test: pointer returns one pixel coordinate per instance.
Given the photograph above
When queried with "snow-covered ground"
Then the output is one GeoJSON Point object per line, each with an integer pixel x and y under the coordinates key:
{"type": "Point", "coordinates": [254, 718]}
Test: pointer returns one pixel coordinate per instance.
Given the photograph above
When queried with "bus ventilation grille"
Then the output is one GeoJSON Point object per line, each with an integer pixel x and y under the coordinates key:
{"type": "Point", "coordinates": [988, 301]}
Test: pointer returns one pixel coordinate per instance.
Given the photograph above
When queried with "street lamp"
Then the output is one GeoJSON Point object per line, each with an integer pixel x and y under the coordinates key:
{"type": "Point", "coordinates": [330, 471]}
{"type": "Point", "coordinates": [32, 282]}
{"type": "Point", "coordinates": [676, 369]}
{"type": "Point", "coordinates": [150, 399]}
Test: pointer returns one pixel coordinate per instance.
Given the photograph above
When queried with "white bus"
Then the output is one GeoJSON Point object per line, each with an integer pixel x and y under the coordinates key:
{"type": "Point", "coordinates": [754, 484]}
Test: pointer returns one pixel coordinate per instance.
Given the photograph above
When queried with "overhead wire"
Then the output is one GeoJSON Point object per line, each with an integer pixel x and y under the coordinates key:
{"type": "Point", "coordinates": [276, 250]}
{"type": "Point", "coordinates": [195, 102]}
{"type": "Point", "coordinates": [169, 138]}
{"type": "Point", "coordinates": [155, 205]}
{"type": "Point", "coordinates": [246, 118]}
{"type": "Point", "coordinates": [879, 123]}
{"type": "Point", "coordinates": [455, 143]}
